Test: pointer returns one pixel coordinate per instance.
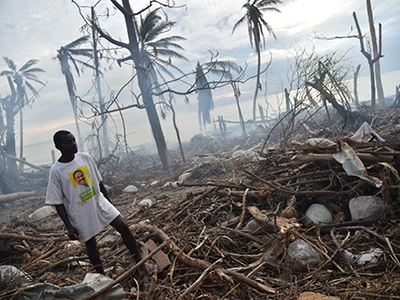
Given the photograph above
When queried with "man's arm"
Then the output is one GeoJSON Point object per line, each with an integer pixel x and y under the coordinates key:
{"type": "Point", "coordinates": [72, 231]}
{"type": "Point", "coordinates": [103, 190]}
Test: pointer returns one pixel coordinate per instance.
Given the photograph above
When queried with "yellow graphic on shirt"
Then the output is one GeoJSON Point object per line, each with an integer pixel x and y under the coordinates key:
{"type": "Point", "coordinates": [80, 179]}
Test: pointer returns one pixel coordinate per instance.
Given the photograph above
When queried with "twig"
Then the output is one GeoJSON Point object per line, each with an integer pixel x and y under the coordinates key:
{"type": "Point", "coordinates": [200, 279]}
{"type": "Point", "coordinates": [244, 199]}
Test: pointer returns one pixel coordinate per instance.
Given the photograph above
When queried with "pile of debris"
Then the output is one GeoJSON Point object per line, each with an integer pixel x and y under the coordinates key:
{"type": "Point", "coordinates": [317, 220]}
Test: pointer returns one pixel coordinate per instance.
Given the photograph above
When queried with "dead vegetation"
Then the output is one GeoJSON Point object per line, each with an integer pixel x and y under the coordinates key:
{"type": "Point", "coordinates": [210, 246]}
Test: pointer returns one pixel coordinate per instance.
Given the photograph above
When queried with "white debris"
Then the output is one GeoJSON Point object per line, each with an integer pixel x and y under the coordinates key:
{"type": "Point", "coordinates": [10, 274]}
{"type": "Point", "coordinates": [365, 134]}
{"type": "Point", "coordinates": [130, 189]}
{"type": "Point", "coordinates": [145, 203]}
{"type": "Point", "coordinates": [184, 177]}
{"type": "Point", "coordinates": [321, 143]}
{"type": "Point", "coordinates": [371, 256]}
{"type": "Point", "coordinates": [42, 213]}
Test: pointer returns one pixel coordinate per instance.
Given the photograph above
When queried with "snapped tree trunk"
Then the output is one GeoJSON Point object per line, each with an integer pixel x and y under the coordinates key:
{"type": "Point", "coordinates": [241, 120]}
{"type": "Point", "coordinates": [105, 139]}
{"type": "Point", "coordinates": [377, 66]}
{"type": "Point", "coordinates": [144, 85]}
{"type": "Point", "coordinates": [258, 50]}
{"type": "Point", "coordinates": [10, 108]}
{"type": "Point", "coordinates": [355, 84]}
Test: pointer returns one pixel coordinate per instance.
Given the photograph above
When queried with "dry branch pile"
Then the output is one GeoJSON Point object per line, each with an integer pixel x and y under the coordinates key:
{"type": "Point", "coordinates": [211, 247]}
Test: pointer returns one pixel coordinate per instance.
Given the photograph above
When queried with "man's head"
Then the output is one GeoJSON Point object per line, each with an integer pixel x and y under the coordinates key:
{"type": "Point", "coordinates": [65, 142]}
{"type": "Point", "coordinates": [79, 177]}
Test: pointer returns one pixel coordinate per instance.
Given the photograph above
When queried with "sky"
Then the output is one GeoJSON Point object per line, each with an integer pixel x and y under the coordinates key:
{"type": "Point", "coordinates": [36, 29]}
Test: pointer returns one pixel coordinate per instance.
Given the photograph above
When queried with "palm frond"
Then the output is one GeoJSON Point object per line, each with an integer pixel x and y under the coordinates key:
{"type": "Point", "coordinates": [171, 53]}
{"type": "Point", "coordinates": [33, 70]}
{"type": "Point", "coordinates": [30, 63]}
{"type": "Point", "coordinates": [6, 73]}
{"type": "Point", "coordinates": [82, 52]}
{"type": "Point", "coordinates": [241, 20]}
{"type": "Point", "coordinates": [33, 90]}
{"type": "Point", "coordinates": [10, 63]}
{"type": "Point", "coordinates": [77, 42]}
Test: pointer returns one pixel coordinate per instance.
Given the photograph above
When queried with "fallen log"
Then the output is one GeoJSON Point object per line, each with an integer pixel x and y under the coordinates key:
{"type": "Point", "coordinates": [15, 196]}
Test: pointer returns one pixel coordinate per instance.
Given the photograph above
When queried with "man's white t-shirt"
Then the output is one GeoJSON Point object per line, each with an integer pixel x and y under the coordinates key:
{"type": "Point", "coordinates": [87, 208]}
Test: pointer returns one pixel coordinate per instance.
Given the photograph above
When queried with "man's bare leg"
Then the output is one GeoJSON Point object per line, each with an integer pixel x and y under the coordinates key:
{"type": "Point", "coordinates": [94, 256]}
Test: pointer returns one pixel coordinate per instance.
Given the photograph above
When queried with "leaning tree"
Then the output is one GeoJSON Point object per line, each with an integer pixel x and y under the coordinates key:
{"type": "Point", "coordinates": [66, 55]}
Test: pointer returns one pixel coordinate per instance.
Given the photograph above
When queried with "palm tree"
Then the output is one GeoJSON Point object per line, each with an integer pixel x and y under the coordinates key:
{"type": "Point", "coordinates": [221, 69]}
{"type": "Point", "coordinates": [22, 77]}
{"type": "Point", "coordinates": [255, 24]}
{"type": "Point", "coordinates": [67, 54]}
{"type": "Point", "coordinates": [156, 57]}
{"type": "Point", "coordinates": [157, 54]}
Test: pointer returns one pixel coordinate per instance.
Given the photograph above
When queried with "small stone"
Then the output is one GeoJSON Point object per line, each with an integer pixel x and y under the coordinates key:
{"type": "Point", "coordinates": [318, 214]}
{"type": "Point", "coordinates": [130, 189]}
{"type": "Point", "coordinates": [155, 182]}
{"type": "Point", "coordinates": [366, 208]}
{"type": "Point", "coordinates": [42, 213]}
{"type": "Point", "coordinates": [301, 250]}
{"type": "Point", "coordinates": [145, 203]}
{"type": "Point", "coordinates": [110, 238]}
{"type": "Point", "coordinates": [253, 225]}
{"type": "Point", "coordinates": [397, 128]}
{"type": "Point", "coordinates": [184, 177]}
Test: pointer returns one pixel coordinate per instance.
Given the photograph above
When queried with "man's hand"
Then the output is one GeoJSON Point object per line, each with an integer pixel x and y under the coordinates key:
{"type": "Point", "coordinates": [73, 233]}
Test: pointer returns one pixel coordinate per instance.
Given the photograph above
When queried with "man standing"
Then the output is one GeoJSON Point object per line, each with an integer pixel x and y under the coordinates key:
{"type": "Point", "coordinates": [76, 190]}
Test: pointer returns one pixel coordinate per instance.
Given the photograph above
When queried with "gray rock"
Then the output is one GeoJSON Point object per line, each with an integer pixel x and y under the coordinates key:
{"type": "Point", "coordinates": [42, 213]}
{"type": "Point", "coordinates": [184, 177]}
{"type": "Point", "coordinates": [110, 238]}
{"type": "Point", "coordinates": [301, 250]}
{"type": "Point", "coordinates": [130, 189]}
{"type": "Point", "coordinates": [10, 274]}
{"type": "Point", "coordinates": [366, 208]}
{"type": "Point", "coordinates": [145, 203]}
{"type": "Point", "coordinates": [173, 184]}
{"type": "Point", "coordinates": [397, 128]}
{"type": "Point", "coordinates": [318, 214]}
{"type": "Point", "coordinates": [252, 225]}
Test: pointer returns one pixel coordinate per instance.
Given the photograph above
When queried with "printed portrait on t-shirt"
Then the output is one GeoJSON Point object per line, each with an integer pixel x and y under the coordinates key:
{"type": "Point", "coordinates": [81, 181]}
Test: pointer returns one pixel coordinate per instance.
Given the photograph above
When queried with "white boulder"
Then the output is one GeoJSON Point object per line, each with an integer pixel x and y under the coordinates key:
{"type": "Point", "coordinates": [318, 214]}
{"type": "Point", "coordinates": [42, 213]}
{"type": "Point", "coordinates": [130, 189]}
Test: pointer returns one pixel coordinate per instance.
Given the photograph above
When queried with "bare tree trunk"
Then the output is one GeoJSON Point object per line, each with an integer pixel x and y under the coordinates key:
{"type": "Point", "coordinates": [257, 80]}
{"type": "Point", "coordinates": [103, 125]}
{"type": "Point", "coordinates": [368, 56]}
{"type": "Point", "coordinates": [143, 79]}
{"type": "Point", "coordinates": [9, 148]}
{"type": "Point", "coordinates": [178, 136]}
{"type": "Point", "coordinates": [378, 79]}
{"type": "Point", "coordinates": [287, 99]}
{"type": "Point", "coordinates": [355, 83]}
{"type": "Point", "coordinates": [241, 120]}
